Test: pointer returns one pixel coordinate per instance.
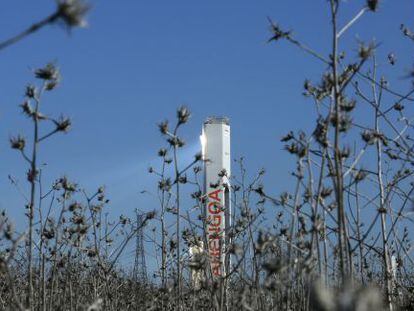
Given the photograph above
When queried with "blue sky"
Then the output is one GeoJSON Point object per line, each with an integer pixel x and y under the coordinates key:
{"type": "Point", "coordinates": [139, 60]}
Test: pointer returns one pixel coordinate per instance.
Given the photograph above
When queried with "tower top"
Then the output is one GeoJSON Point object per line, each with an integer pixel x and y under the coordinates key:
{"type": "Point", "coordinates": [217, 120]}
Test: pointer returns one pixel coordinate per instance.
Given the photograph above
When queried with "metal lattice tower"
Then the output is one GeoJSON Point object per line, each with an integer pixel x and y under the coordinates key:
{"type": "Point", "coordinates": [140, 267]}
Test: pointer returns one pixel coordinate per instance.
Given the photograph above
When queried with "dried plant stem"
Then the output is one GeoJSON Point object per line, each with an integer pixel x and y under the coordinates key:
{"type": "Point", "coordinates": [32, 179]}
{"type": "Point", "coordinates": [177, 202]}
{"type": "Point", "coordinates": [383, 208]}
{"type": "Point", "coordinates": [337, 156]}
{"type": "Point", "coordinates": [352, 21]}
{"type": "Point", "coordinates": [32, 29]}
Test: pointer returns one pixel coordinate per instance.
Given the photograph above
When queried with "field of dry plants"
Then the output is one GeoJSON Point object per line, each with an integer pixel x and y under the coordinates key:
{"type": "Point", "coordinates": [339, 240]}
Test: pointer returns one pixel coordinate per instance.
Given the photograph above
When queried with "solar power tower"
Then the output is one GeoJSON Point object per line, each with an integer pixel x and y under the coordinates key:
{"type": "Point", "coordinates": [215, 140]}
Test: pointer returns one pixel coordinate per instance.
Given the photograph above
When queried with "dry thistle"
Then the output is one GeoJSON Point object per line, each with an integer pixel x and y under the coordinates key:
{"type": "Point", "coordinates": [163, 127]}
{"type": "Point", "coordinates": [49, 73]}
{"type": "Point", "coordinates": [368, 137]}
{"type": "Point", "coordinates": [31, 91]}
{"type": "Point", "coordinates": [63, 124]}
{"type": "Point", "coordinates": [366, 51]}
{"type": "Point", "coordinates": [277, 32]}
{"type": "Point", "coordinates": [162, 152]}
{"type": "Point", "coordinates": [198, 156]}
{"type": "Point", "coordinates": [321, 131]}
{"type": "Point", "coordinates": [183, 115]}
{"type": "Point", "coordinates": [73, 12]}
{"type": "Point", "coordinates": [347, 106]}
{"type": "Point", "coordinates": [289, 136]}
{"type": "Point", "coordinates": [27, 109]}
{"type": "Point", "coordinates": [18, 142]}
{"type": "Point", "coordinates": [373, 5]}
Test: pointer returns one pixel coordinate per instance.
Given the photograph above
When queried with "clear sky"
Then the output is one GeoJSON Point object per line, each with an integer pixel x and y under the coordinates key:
{"type": "Point", "coordinates": [138, 60]}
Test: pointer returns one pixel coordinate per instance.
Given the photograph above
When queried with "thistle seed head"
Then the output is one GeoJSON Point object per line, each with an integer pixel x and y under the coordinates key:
{"type": "Point", "coordinates": [49, 73]}
{"type": "Point", "coordinates": [373, 5]}
{"type": "Point", "coordinates": [63, 124]}
{"type": "Point", "coordinates": [163, 127]}
{"type": "Point", "coordinates": [162, 152]}
{"type": "Point", "coordinates": [18, 142]}
{"type": "Point", "coordinates": [72, 12]}
{"type": "Point", "coordinates": [183, 115]}
{"type": "Point", "coordinates": [31, 91]}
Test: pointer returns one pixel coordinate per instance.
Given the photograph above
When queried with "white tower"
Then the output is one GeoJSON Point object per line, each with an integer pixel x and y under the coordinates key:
{"type": "Point", "coordinates": [215, 142]}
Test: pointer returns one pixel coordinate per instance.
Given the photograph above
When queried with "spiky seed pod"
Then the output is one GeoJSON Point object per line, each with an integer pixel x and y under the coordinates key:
{"type": "Point", "coordinates": [8, 233]}
{"type": "Point", "coordinates": [222, 173]}
{"type": "Point", "coordinates": [123, 220]}
{"type": "Point", "coordinates": [303, 151]}
{"type": "Point", "coordinates": [347, 106]}
{"type": "Point", "coordinates": [398, 107]}
{"type": "Point", "coordinates": [326, 192]}
{"type": "Point", "coordinates": [51, 85]}
{"type": "Point", "coordinates": [292, 148]}
{"type": "Point", "coordinates": [31, 91]}
{"type": "Point", "coordinates": [390, 154]}
{"type": "Point", "coordinates": [277, 32]}
{"type": "Point", "coordinates": [373, 5]}
{"type": "Point", "coordinates": [183, 115]}
{"type": "Point", "coordinates": [360, 175]}
{"type": "Point", "coordinates": [196, 194]}
{"type": "Point", "coordinates": [182, 179]}
{"type": "Point", "coordinates": [91, 253]}
{"type": "Point", "coordinates": [49, 73]}
{"type": "Point", "coordinates": [18, 142]}
{"type": "Point", "coordinates": [151, 215]}
{"type": "Point", "coordinates": [365, 51]}
{"type": "Point", "coordinates": [344, 123]}
{"type": "Point", "coordinates": [307, 85]}
{"type": "Point", "coordinates": [163, 127]}
{"type": "Point", "coordinates": [162, 152]}
{"type": "Point", "coordinates": [259, 190]}
{"type": "Point", "coordinates": [345, 152]}
{"type": "Point", "coordinates": [284, 198]}
{"type": "Point", "coordinates": [368, 137]}
{"type": "Point", "coordinates": [63, 124]}
{"type": "Point", "coordinates": [321, 131]}
{"type": "Point", "coordinates": [198, 156]}
{"type": "Point", "coordinates": [67, 185]}
{"type": "Point", "coordinates": [176, 142]}
{"type": "Point", "coordinates": [78, 220]}
{"type": "Point", "coordinates": [164, 184]}
{"type": "Point", "coordinates": [74, 206]}
{"type": "Point", "coordinates": [48, 233]}
{"type": "Point", "coordinates": [31, 175]}
{"type": "Point", "coordinates": [289, 136]}
{"type": "Point", "coordinates": [73, 12]}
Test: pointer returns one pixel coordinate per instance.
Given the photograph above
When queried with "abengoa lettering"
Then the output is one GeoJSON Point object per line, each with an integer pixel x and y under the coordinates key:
{"type": "Point", "coordinates": [215, 229]}
{"type": "Point", "coordinates": [215, 144]}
